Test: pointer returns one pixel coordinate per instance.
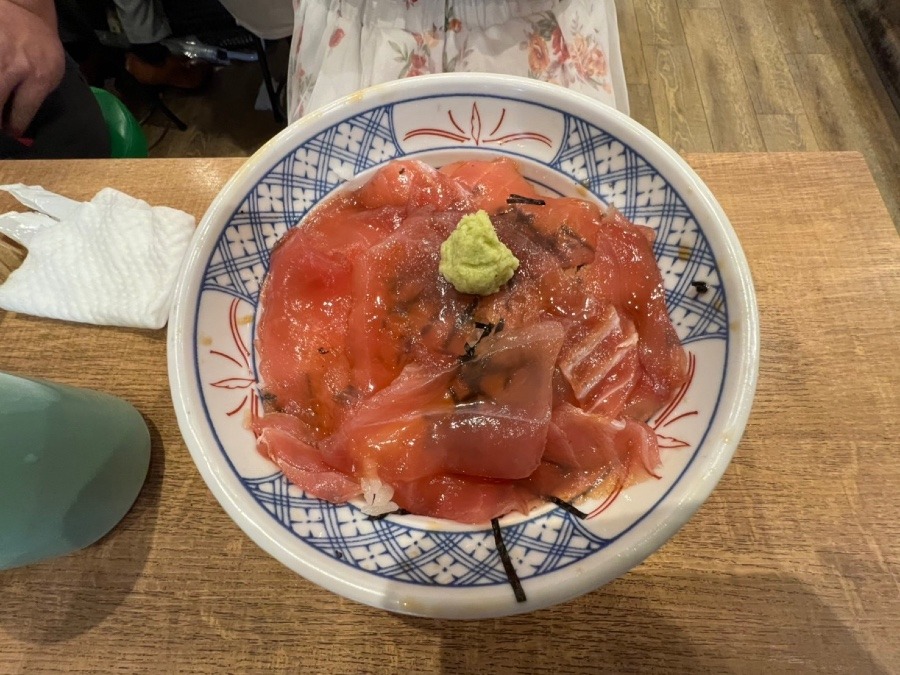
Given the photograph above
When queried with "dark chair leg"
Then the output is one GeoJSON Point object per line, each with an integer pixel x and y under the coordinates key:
{"type": "Point", "coordinates": [150, 95]}
{"type": "Point", "coordinates": [267, 78]}
{"type": "Point", "coordinates": [167, 111]}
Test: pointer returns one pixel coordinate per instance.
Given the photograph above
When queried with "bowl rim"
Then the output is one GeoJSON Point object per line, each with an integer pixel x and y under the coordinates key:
{"type": "Point", "coordinates": [684, 498]}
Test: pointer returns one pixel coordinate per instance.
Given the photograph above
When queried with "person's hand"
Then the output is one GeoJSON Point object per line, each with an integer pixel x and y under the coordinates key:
{"type": "Point", "coordinates": [32, 61]}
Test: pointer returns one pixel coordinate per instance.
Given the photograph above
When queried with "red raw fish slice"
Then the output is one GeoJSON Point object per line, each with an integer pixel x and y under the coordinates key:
{"type": "Point", "coordinates": [411, 184]}
{"type": "Point", "coordinates": [518, 302]}
{"type": "Point", "coordinates": [535, 250]}
{"type": "Point", "coordinates": [349, 230]}
{"type": "Point", "coordinates": [547, 240]}
{"type": "Point", "coordinates": [387, 434]}
{"type": "Point", "coordinates": [568, 228]}
{"type": "Point", "coordinates": [404, 311]}
{"type": "Point", "coordinates": [281, 439]}
{"type": "Point", "coordinates": [491, 183]}
{"type": "Point", "coordinates": [553, 480]}
{"type": "Point", "coordinates": [600, 361]}
{"type": "Point", "coordinates": [625, 272]}
{"type": "Point", "coordinates": [487, 417]}
{"type": "Point", "coordinates": [306, 301]}
{"type": "Point", "coordinates": [514, 306]}
{"type": "Point", "coordinates": [463, 499]}
{"type": "Point", "coordinates": [498, 428]}
{"type": "Point", "coordinates": [589, 442]}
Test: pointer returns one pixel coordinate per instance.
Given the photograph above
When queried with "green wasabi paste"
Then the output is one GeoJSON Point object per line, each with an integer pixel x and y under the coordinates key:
{"type": "Point", "coordinates": [473, 259]}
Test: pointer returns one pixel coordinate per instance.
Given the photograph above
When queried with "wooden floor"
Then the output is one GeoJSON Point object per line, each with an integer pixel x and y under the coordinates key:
{"type": "Point", "coordinates": [759, 75]}
{"type": "Point", "coordinates": [705, 75]}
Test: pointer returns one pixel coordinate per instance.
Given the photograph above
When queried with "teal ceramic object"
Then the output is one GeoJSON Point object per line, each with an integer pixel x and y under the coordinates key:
{"type": "Point", "coordinates": [72, 462]}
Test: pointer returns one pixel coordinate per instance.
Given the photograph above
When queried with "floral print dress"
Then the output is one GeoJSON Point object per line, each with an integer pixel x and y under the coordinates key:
{"type": "Point", "coordinates": [340, 46]}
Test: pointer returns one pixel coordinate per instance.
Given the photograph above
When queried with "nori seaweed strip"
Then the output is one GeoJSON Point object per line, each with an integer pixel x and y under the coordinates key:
{"type": "Point", "coordinates": [519, 199]}
{"type": "Point", "coordinates": [485, 329]}
{"type": "Point", "coordinates": [700, 286]}
{"type": "Point", "coordinates": [470, 352]}
{"type": "Point", "coordinates": [518, 591]}
{"type": "Point", "coordinates": [499, 327]}
{"type": "Point", "coordinates": [567, 507]}
{"type": "Point", "coordinates": [398, 512]}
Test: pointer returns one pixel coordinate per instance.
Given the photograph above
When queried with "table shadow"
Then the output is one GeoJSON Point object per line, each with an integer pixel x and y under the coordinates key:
{"type": "Point", "coordinates": [638, 627]}
{"type": "Point", "coordinates": [56, 600]}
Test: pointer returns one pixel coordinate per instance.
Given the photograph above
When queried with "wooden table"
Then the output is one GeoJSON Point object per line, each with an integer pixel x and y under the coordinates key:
{"type": "Point", "coordinates": [792, 565]}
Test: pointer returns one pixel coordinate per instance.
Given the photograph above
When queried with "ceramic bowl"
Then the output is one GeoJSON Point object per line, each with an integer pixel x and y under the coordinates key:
{"type": "Point", "coordinates": [566, 144]}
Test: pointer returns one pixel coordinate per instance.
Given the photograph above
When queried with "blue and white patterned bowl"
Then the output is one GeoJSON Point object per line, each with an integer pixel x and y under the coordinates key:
{"type": "Point", "coordinates": [566, 144]}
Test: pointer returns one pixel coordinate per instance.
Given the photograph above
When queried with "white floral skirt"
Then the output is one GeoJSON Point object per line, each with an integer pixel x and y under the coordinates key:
{"type": "Point", "coordinates": [340, 46]}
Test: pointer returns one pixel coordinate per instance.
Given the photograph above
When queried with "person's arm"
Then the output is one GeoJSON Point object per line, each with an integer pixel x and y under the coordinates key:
{"type": "Point", "coordinates": [32, 61]}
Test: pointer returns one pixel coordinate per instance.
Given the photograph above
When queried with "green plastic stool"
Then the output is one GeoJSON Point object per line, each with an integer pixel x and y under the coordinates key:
{"type": "Point", "coordinates": [126, 138]}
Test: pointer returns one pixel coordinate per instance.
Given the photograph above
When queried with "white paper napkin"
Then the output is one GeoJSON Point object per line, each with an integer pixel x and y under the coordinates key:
{"type": "Point", "coordinates": [111, 261]}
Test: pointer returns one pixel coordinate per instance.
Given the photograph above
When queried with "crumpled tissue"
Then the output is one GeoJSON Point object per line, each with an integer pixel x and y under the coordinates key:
{"type": "Point", "coordinates": [110, 261]}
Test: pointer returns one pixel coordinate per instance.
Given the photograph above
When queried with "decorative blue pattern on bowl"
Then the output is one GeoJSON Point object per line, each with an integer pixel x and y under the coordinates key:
{"type": "Point", "coordinates": [418, 555]}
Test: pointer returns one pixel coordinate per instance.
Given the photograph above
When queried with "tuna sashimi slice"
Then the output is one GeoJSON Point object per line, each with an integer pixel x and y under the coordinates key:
{"type": "Point", "coordinates": [566, 483]}
{"type": "Point", "coordinates": [585, 441]}
{"type": "Point", "coordinates": [491, 183]}
{"type": "Point", "coordinates": [498, 427]}
{"type": "Point", "coordinates": [625, 273]}
{"type": "Point", "coordinates": [412, 184]}
{"type": "Point", "coordinates": [403, 310]}
{"type": "Point", "coordinates": [563, 229]}
{"type": "Point", "coordinates": [306, 301]}
{"type": "Point", "coordinates": [282, 439]}
{"type": "Point", "coordinates": [600, 361]}
{"type": "Point", "coordinates": [387, 435]}
{"type": "Point", "coordinates": [486, 417]}
{"type": "Point", "coordinates": [464, 499]}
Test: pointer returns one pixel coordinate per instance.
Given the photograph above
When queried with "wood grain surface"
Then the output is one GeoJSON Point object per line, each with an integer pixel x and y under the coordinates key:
{"type": "Point", "coordinates": [748, 75]}
{"type": "Point", "coordinates": [792, 565]}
